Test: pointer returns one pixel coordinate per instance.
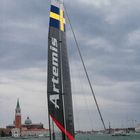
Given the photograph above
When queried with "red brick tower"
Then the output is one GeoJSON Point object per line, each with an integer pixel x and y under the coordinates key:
{"type": "Point", "coordinates": [18, 115]}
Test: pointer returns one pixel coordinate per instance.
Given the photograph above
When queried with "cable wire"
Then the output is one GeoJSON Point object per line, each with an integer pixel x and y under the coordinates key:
{"type": "Point", "coordinates": [82, 60]}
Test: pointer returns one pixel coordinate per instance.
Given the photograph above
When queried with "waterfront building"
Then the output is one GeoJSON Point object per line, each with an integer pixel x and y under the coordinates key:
{"type": "Point", "coordinates": [4, 132]}
{"type": "Point", "coordinates": [27, 128]}
{"type": "Point", "coordinates": [137, 129]}
{"type": "Point", "coordinates": [15, 132]}
{"type": "Point", "coordinates": [34, 132]}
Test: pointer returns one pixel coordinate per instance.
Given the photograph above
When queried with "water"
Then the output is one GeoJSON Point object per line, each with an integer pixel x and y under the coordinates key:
{"type": "Point", "coordinates": [107, 137]}
{"type": "Point", "coordinates": [90, 137]}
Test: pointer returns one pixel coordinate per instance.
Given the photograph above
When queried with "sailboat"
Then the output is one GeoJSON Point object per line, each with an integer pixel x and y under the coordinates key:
{"type": "Point", "coordinates": [60, 110]}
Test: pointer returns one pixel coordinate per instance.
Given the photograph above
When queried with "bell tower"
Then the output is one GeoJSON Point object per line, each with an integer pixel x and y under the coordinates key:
{"type": "Point", "coordinates": [18, 115]}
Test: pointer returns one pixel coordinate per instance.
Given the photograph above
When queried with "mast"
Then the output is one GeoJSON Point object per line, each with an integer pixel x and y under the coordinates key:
{"type": "Point", "coordinates": [60, 109]}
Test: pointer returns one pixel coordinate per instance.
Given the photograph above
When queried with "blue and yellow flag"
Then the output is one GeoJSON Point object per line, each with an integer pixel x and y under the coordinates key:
{"type": "Point", "coordinates": [57, 18]}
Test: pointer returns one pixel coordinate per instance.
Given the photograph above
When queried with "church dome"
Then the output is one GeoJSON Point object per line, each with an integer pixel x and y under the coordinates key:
{"type": "Point", "coordinates": [28, 121]}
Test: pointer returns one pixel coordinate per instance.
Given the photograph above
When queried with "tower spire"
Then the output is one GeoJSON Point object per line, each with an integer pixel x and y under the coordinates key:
{"type": "Point", "coordinates": [18, 115]}
{"type": "Point", "coordinates": [18, 106]}
{"type": "Point", "coordinates": [18, 110]}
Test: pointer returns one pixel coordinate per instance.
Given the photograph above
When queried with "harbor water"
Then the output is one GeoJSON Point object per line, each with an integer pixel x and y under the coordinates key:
{"type": "Point", "coordinates": [90, 137]}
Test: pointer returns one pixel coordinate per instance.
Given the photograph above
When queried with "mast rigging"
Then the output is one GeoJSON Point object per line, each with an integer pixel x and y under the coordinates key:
{"type": "Point", "coordinates": [85, 69]}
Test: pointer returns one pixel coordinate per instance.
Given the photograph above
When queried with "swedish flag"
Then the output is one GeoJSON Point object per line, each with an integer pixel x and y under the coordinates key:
{"type": "Point", "coordinates": [57, 19]}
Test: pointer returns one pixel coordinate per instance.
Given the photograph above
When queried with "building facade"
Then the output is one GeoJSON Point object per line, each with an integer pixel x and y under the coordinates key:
{"type": "Point", "coordinates": [27, 128]}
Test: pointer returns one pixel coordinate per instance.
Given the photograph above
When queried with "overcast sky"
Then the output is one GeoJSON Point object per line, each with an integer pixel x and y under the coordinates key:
{"type": "Point", "coordinates": [109, 36]}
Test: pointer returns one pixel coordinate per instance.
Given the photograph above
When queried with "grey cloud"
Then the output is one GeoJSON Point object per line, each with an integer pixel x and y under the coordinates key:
{"type": "Point", "coordinates": [108, 34]}
{"type": "Point", "coordinates": [23, 26]}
